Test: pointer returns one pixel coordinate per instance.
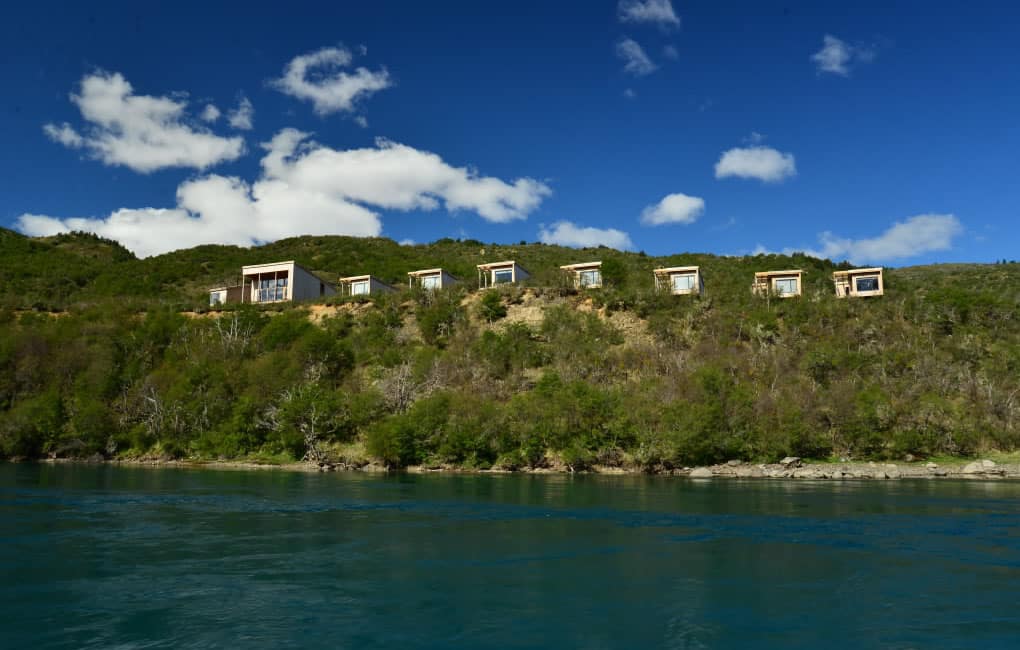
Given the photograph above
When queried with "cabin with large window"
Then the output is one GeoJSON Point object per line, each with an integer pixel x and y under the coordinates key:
{"type": "Point", "coordinates": [680, 280]}
{"type": "Point", "coordinates": [497, 273]}
{"type": "Point", "coordinates": [430, 279]}
{"type": "Point", "coordinates": [586, 275]}
{"type": "Point", "coordinates": [276, 282]}
{"type": "Point", "coordinates": [858, 283]}
{"type": "Point", "coordinates": [363, 285]}
{"type": "Point", "coordinates": [781, 284]}
{"type": "Point", "coordinates": [280, 282]}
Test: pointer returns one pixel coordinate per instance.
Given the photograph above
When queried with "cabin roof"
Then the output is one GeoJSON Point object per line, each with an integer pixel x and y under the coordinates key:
{"type": "Point", "coordinates": [356, 278]}
{"type": "Point", "coordinates": [676, 269]}
{"type": "Point", "coordinates": [581, 266]}
{"type": "Point", "coordinates": [255, 267]}
{"type": "Point", "coordinates": [873, 269]}
{"type": "Point", "coordinates": [767, 274]}
{"type": "Point", "coordinates": [495, 265]}
{"type": "Point", "coordinates": [425, 272]}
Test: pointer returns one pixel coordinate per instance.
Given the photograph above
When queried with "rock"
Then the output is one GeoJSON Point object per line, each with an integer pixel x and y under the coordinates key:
{"type": "Point", "coordinates": [891, 471]}
{"type": "Point", "coordinates": [932, 466]}
{"type": "Point", "coordinates": [750, 472]}
{"type": "Point", "coordinates": [806, 472]}
{"type": "Point", "coordinates": [909, 458]}
{"type": "Point", "coordinates": [700, 472]}
{"type": "Point", "coordinates": [734, 463]}
{"type": "Point", "coordinates": [977, 467]}
{"type": "Point", "coordinates": [988, 464]}
{"type": "Point", "coordinates": [791, 461]}
{"type": "Point", "coordinates": [940, 472]}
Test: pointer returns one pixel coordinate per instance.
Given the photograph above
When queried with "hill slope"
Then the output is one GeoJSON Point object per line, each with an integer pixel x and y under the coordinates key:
{"type": "Point", "coordinates": [526, 377]}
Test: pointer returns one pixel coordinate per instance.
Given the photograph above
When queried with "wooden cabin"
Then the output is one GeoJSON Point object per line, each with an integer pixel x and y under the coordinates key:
{"type": "Point", "coordinates": [586, 275]}
{"type": "Point", "coordinates": [275, 282]}
{"type": "Point", "coordinates": [496, 273]}
{"type": "Point", "coordinates": [859, 283]}
{"type": "Point", "coordinates": [680, 280]}
{"type": "Point", "coordinates": [430, 279]}
{"type": "Point", "coordinates": [363, 285]}
{"type": "Point", "coordinates": [781, 284]}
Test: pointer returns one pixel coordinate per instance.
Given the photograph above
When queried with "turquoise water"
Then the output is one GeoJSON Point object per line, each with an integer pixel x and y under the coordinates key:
{"type": "Point", "coordinates": [96, 556]}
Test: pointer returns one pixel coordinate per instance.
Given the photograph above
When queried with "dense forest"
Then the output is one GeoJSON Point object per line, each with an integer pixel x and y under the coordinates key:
{"type": "Point", "coordinates": [105, 354]}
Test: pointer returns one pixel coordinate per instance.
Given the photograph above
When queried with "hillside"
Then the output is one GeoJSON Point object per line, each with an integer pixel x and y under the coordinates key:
{"type": "Point", "coordinates": [102, 353]}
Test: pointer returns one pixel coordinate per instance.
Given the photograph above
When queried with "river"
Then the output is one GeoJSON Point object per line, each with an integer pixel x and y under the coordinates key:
{"type": "Point", "coordinates": [133, 557]}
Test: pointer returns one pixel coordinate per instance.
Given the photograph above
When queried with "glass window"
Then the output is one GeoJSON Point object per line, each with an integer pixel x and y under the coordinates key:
{"type": "Point", "coordinates": [271, 290]}
{"type": "Point", "coordinates": [502, 276]}
{"type": "Point", "coordinates": [432, 282]}
{"type": "Point", "coordinates": [590, 278]}
{"type": "Point", "coordinates": [215, 299]}
{"type": "Point", "coordinates": [867, 284]}
{"type": "Point", "coordinates": [359, 288]}
{"type": "Point", "coordinates": [785, 286]}
{"type": "Point", "coordinates": [683, 282]}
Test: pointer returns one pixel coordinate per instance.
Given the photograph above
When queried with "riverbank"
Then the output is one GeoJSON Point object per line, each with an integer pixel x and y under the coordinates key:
{"type": "Point", "coordinates": [788, 468]}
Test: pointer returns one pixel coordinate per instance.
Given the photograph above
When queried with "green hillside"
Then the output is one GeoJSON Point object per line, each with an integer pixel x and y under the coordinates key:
{"type": "Point", "coordinates": [103, 353]}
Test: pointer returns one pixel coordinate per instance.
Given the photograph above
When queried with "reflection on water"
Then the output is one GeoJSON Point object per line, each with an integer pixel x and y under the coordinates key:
{"type": "Point", "coordinates": [102, 556]}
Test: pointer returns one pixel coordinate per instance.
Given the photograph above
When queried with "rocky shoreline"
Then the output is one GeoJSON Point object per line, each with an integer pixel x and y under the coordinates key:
{"type": "Point", "coordinates": [793, 467]}
{"type": "Point", "coordinates": [788, 468]}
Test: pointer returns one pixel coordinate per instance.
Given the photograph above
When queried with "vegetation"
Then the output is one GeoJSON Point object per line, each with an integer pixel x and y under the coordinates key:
{"type": "Point", "coordinates": [102, 353]}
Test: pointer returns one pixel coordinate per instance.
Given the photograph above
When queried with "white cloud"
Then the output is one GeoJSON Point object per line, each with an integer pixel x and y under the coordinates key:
{"type": "Point", "coordinates": [142, 132]}
{"type": "Point", "coordinates": [396, 176]}
{"type": "Point", "coordinates": [674, 208]}
{"type": "Point", "coordinates": [838, 56]}
{"type": "Point", "coordinates": [914, 236]}
{"type": "Point", "coordinates": [243, 116]}
{"type": "Point", "coordinates": [210, 113]}
{"type": "Point", "coordinates": [304, 188]}
{"type": "Point", "coordinates": [764, 163]}
{"type": "Point", "coordinates": [318, 77]}
{"type": "Point", "coordinates": [64, 134]}
{"type": "Point", "coordinates": [406, 242]}
{"type": "Point", "coordinates": [635, 61]}
{"type": "Point", "coordinates": [657, 12]}
{"type": "Point", "coordinates": [565, 233]}
{"type": "Point", "coordinates": [670, 52]}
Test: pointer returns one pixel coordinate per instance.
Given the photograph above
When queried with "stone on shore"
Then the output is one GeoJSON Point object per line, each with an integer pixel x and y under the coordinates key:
{"type": "Point", "coordinates": [700, 472]}
{"type": "Point", "coordinates": [978, 467]}
{"type": "Point", "coordinates": [791, 461]}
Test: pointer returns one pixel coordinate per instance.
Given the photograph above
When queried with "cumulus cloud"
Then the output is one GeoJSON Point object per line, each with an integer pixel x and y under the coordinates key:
{"type": "Point", "coordinates": [319, 77]}
{"type": "Point", "coordinates": [396, 176]}
{"type": "Point", "coordinates": [764, 163]}
{"type": "Point", "coordinates": [924, 233]}
{"type": "Point", "coordinates": [243, 116]}
{"type": "Point", "coordinates": [305, 188]}
{"type": "Point", "coordinates": [635, 61]}
{"type": "Point", "coordinates": [656, 12]}
{"type": "Point", "coordinates": [210, 113]}
{"type": "Point", "coordinates": [64, 134]}
{"type": "Point", "coordinates": [141, 132]}
{"type": "Point", "coordinates": [674, 208]}
{"type": "Point", "coordinates": [565, 233]}
{"type": "Point", "coordinates": [838, 57]}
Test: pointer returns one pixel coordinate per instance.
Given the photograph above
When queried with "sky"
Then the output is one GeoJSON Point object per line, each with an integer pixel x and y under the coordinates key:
{"type": "Point", "coordinates": [875, 132]}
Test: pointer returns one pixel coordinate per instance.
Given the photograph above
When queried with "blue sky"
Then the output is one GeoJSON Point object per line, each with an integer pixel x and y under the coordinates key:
{"type": "Point", "coordinates": [882, 132]}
